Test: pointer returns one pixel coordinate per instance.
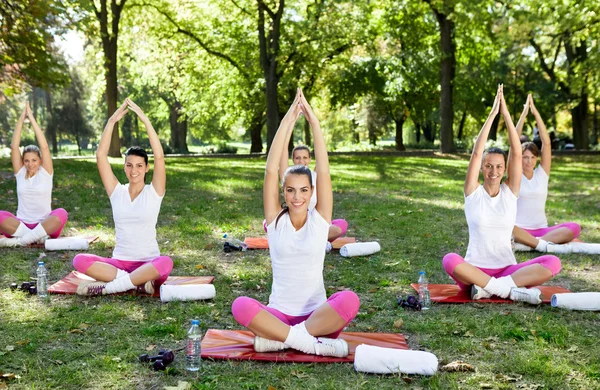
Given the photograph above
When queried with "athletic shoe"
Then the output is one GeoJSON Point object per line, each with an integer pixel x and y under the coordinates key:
{"type": "Point", "coordinates": [522, 247]}
{"type": "Point", "coordinates": [331, 347]}
{"type": "Point", "coordinates": [9, 242]}
{"type": "Point", "coordinates": [529, 295]}
{"type": "Point", "coordinates": [146, 288]}
{"type": "Point", "coordinates": [91, 288]}
{"type": "Point", "coordinates": [479, 293]}
{"type": "Point", "coordinates": [262, 344]}
{"type": "Point", "coordinates": [328, 247]}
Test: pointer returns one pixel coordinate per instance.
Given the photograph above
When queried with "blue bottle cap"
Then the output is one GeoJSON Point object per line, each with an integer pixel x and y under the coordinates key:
{"type": "Point", "coordinates": [195, 322]}
{"type": "Point", "coordinates": [225, 235]}
{"type": "Point", "coordinates": [422, 273]}
{"type": "Point", "coordinates": [40, 263]}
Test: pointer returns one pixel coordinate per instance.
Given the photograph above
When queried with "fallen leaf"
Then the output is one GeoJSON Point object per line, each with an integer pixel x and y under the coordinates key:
{"type": "Point", "coordinates": [23, 342]}
{"type": "Point", "coordinates": [300, 374]}
{"type": "Point", "coordinates": [83, 325]}
{"type": "Point", "coordinates": [398, 323]}
{"type": "Point", "coordinates": [486, 386]}
{"type": "Point", "coordinates": [271, 388]}
{"type": "Point", "coordinates": [181, 385]}
{"type": "Point", "coordinates": [341, 288]}
{"type": "Point", "coordinates": [10, 347]}
{"type": "Point", "coordinates": [3, 385]}
{"type": "Point", "coordinates": [427, 235]}
{"type": "Point", "coordinates": [468, 334]}
{"type": "Point", "coordinates": [76, 330]}
{"type": "Point", "coordinates": [199, 266]}
{"type": "Point", "coordinates": [116, 359]}
{"type": "Point", "coordinates": [457, 366]}
{"type": "Point", "coordinates": [8, 376]}
{"type": "Point", "coordinates": [374, 290]}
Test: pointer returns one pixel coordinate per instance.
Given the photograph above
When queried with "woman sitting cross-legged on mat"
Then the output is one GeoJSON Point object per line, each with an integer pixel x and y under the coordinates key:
{"type": "Point", "coordinates": [298, 313]}
{"type": "Point", "coordinates": [532, 226]}
{"type": "Point", "coordinates": [35, 220]}
{"type": "Point", "coordinates": [136, 261]}
{"type": "Point", "coordinates": [490, 267]}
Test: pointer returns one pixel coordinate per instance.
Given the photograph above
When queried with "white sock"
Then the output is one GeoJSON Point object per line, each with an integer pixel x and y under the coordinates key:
{"type": "Point", "coordinates": [300, 340]}
{"type": "Point", "coordinates": [541, 246]}
{"type": "Point", "coordinates": [21, 230]}
{"type": "Point", "coordinates": [119, 285]}
{"type": "Point", "coordinates": [34, 235]}
{"type": "Point", "coordinates": [121, 273]}
{"type": "Point", "coordinates": [500, 286]}
{"type": "Point", "coordinates": [302, 326]}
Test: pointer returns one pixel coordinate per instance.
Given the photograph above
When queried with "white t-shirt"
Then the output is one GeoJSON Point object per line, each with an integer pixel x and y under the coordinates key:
{"type": "Point", "coordinates": [531, 206]}
{"type": "Point", "coordinates": [297, 259]}
{"type": "Point", "coordinates": [313, 199]}
{"type": "Point", "coordinates": [34, 195]}
{"type": "Point", "coordinates": [135, 223]}
{"type": "Point", "coordinates": [491, 222]}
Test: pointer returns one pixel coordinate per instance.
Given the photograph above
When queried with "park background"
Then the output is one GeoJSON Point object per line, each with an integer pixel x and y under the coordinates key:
{"type": "Point", "coordinates": [216, 77]}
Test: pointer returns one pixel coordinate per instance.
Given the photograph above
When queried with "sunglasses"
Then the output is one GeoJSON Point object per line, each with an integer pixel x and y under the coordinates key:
{"type": "Point", "coordinates": [411, 302]}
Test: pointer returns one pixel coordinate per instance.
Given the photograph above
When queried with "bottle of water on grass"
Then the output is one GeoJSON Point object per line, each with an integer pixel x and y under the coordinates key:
{"type": "Point", "coordinates": [42, 280]}
{"type": "Point", "coordinates": [232, 244]}
{"type": "Point", "coordinates": [424, 291]}
{"type": "Point", "coordinates": [192, 354]}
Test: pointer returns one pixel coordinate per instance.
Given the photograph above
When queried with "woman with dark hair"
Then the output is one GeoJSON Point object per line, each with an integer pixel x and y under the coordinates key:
{"type": "Point", "coordinates": [298, 313]}
{"type": "Point", "coordinates": [532, 227]}
{"type": "Point", "coordinates": [35, 220]}
{"type": "Point", "coordinates": [136, 261]}
{"type": "Point", "coordinates": [489, 267]}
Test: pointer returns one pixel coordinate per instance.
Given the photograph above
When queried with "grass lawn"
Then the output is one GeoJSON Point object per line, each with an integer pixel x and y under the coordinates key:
{"type": "Point", "coordinates": [413, 206]}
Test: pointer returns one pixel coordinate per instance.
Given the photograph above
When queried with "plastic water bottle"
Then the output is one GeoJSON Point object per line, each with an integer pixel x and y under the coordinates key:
{"type": "Point", "coordinates": [42, 280]}
{"type": "Point", "coordinates": [233, 244]}
{"type": "Point", "coordinates": [424, 291]}
{"type": "Point", "coordinates": [192, 354]}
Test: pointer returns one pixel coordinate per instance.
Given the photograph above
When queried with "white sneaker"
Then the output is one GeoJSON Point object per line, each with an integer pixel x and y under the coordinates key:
{"type": "Point", "coordinates": [522, 247]}
{"type": "Point", "coordinates": [328, 247]}
{"type": "Point", "coordinates": [262, 344]}
{"type": "Point", "coordinates": [479, 293]}
{"type": "Point", "coordinates": [331, 347]}
{"type": "Point", "coordinates": [529, 295]}
{"type": "Point", "coordinates": [9, 242]}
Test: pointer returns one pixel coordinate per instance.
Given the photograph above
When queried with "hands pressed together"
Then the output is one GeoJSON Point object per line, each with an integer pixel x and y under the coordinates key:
{"type": "Point", "coordinates": [124, 109]}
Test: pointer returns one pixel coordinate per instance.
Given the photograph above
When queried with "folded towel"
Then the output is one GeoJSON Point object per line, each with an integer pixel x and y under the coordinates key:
{"type": "Point", "coordinates": [67, 244]}
{"type": "Point", "coordinates": [360, 249]}
{"type": "Point", "coordinates": [379, 360]}
{"type": "Point", "coordinates": [577, 301]}
{"type": "Point", "coordinates": [186, 292]}
{"type": "Point", "coordinates": [574, 247]}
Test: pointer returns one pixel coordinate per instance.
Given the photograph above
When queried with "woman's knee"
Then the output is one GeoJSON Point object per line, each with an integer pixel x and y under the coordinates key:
{"type": "Point", "coordinates": [164, 265]}
{"type": "Point", "coordinates": [81, 262]}
{"type": "Point", "coordinates": [342, 224]}
{"type": "Point", "coordinates": [575, 228]}
{"type": "Point", "coordinates": [345, 303]}
{"type": "Point", "coordinates": [552, 263]}
{"type": "Point", "coordinates": [244, 309]}
{"type": "Point", "coordinates": [61, 214]}
{"type": "Point", "coordinates": [450, 261]}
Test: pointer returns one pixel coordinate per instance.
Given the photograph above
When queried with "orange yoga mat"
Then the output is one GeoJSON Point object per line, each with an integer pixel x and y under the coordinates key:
{"type": "Point", "coordinates": [263, 243]}
{"type": "Point", "coordinates": [68, 284]}
{"type": "Point", "coordinates": [239, 345]}
{"type": "Point", "coordinates": [89, 239]}
{"type": "Point", "coordinates": [451, 293]}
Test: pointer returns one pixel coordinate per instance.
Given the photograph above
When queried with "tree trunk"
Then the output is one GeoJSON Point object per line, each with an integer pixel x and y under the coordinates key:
{"type": "Point", "coordinates": [461, 126]}
{"type": "Point", "coordinates": [418, 132]}
{"type": "Point", "coordinates": [356, 135]}
{"type": "Point", "coordinates": [52, 134]}
{"type": "Point", "coordinates": [112, 94]}
{"type": "Point", "coordinates": [428, 131]}
{"type": "Point", "coordinates": [595, 125]}
{"type": "Point", "coordinates": [183, 130]}
{"type": "Point", "coordinates": [579, 116]}
{"type": "Point", "coordinates": [174, 110]}
{"type": "Point", "coordinates": [448, 70]}
{"type": "Point", "coordinates": [307, 134]}
{"type": "Point", "coordinates": [399, 124]}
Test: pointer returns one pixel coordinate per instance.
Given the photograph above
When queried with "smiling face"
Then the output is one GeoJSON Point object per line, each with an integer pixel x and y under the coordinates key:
{"type": "Point", "coordinates": [135, 168]}
{"type": "Point", "coordinates": [297, 190]}
{"type": "Point", "coordinates": [493, 168]}
{"type": "Point", "coordinates": [32, 162]}
{"type": "Point", "coordinates": [529, 161]}
{"type": "Point", "coordinates": [301, 157]}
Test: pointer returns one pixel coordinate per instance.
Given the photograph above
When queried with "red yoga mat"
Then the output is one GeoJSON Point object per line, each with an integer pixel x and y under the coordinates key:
{"type": "Point", "coordinates": [89, 239]}
{"type": "Point", "coordinates": [68, 284]}
{"type": "Point", "coordinates": [239, 345]}
{"type": "Point", "coordinates": [263, 243]}
{"type": "Point", "coordinates": [451, 293]}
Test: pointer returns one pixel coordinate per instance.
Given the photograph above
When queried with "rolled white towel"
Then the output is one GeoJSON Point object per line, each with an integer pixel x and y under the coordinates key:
{"type": "Point", "coordinates": [379, 360]}
{"type": "Point", "coordinates": [522, 247]}
{"type": "Point", "coordinates": [360, 249]}
{"type": "Point", "coordinates": [585, 247]}
{"type": "Point", "coordinates": [186, 292]}
{"type": "Point", "coordinates": [67, 244]}
{"type": "Point", "coordinates": [577, 301]}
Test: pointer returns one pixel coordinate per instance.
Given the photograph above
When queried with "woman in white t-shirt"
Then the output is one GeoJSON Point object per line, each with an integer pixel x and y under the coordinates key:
{"type": "Point", "coordinates": [489, 267]}
{"type": "Point", "coordinates": [136, 261]}
{"type": "Point", "coordinates": [532, 226]}
{"type": "Point", "coordinates": [298, 313]}
{"type": "Point", "coordinates": [35, 220]}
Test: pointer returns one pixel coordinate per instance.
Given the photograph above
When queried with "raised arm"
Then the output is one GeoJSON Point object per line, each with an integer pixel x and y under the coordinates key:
{"type": "Point", "coordinates": [472, 179]}
{"type": "Point", "coordinates": [285, 159]}
{"type": "Point", "coordinates": [523, 117]}
{"type": "Point", "coordinates": [271, 185]}
{"type": "Point", "coordinates": [106, 174]}
{"type": "Point", "coordinates": [515, 163]}
{"type": "Point", "coordinates": [324, 193]}
{"type": "Point", "coordinates": [41, 140]}
{"type": "Point", "coordinates": [545, 137]}
{"type": "Point", "coordinates": [15, 151]}
{"type": "Point", "coordinates": [159, 177]}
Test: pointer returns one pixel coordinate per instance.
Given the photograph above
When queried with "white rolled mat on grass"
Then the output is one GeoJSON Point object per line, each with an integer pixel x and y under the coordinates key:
{"type": "Point", "coordinates": [186, 292]}
{"type": "Point", "coordinates": [67, 244]}
{"type": "Point", "coordinates": [379, 360]}
{"type": "Point", "coordinates": [360, 249]}
{"type": "Point", "coordinates": [574, 247]}
{"type": "Point", "coordinates": [577, 301]}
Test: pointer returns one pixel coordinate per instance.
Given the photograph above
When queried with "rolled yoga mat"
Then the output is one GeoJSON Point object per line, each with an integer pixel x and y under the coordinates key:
{"type": "Point", "coordinates": [360, 249]}
{"type": "Point", "coordinates": [378, 360]}
{"type": "Point", "coordinates": [67, 243]}
{"type": "Point", "coordinates": [577, 301]}
{"type": "Point", "coordinates": [187, 292]}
